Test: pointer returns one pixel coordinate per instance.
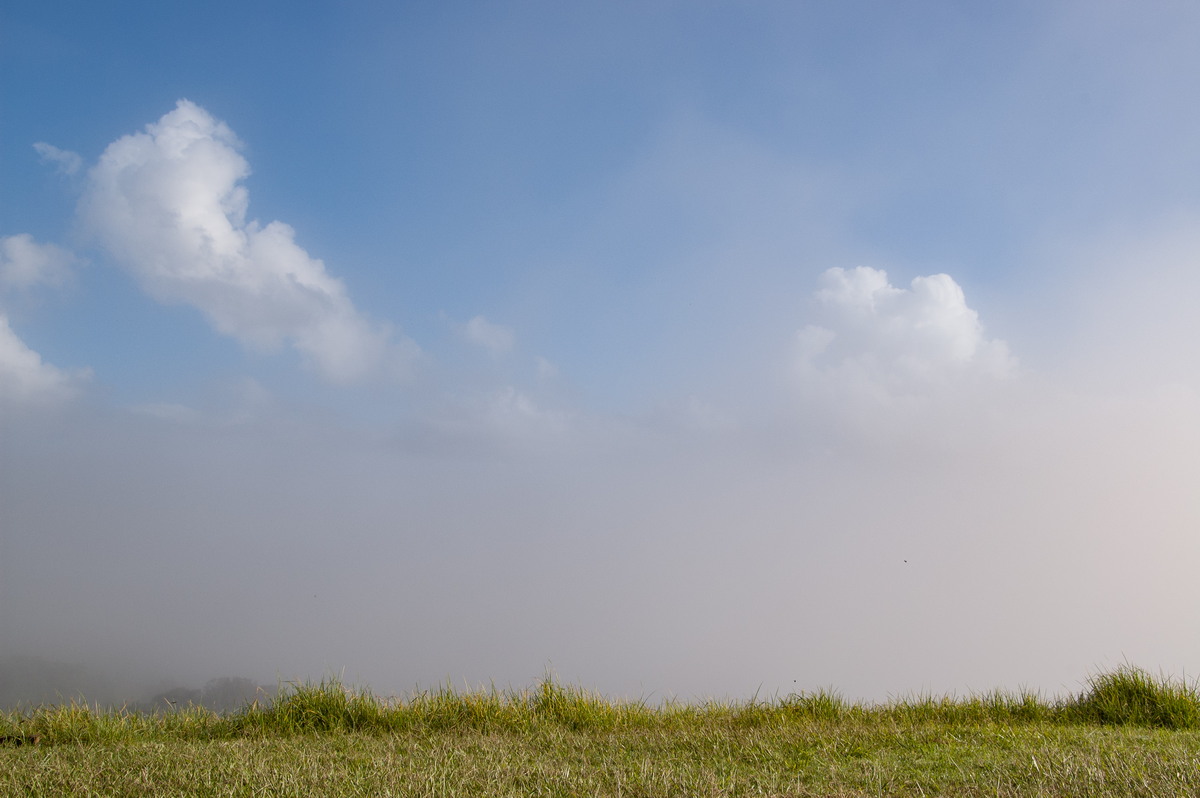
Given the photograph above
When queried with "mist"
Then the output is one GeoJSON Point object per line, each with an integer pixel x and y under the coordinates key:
{"type": "Point", "coordinates": [1015, 533]}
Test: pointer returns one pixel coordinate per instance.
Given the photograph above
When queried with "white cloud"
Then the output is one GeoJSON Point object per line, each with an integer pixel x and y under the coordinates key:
{"type": "Point", "coordinates": [504, 416]}
{"type": "Point", "coordinates": [893, 341]}
{"type": "Point", "coordinates": [496, 338]}
{"type": "Point", "coordinates": [545, 369]}
{"type": "Point", "coordinates": [68, 162]}
{"type": "Point", "coordinates": [169, 206]}
{"type": "Point", "coordinates": [25, 379]}
{"type": "Point", "coordinates": [25, 263]}
{"type": "Point", "coordinates": [512, 413]}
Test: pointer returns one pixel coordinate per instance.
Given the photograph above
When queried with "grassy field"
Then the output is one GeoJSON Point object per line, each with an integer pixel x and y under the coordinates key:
{"type": "Point", "coordinates": [1126, 734]}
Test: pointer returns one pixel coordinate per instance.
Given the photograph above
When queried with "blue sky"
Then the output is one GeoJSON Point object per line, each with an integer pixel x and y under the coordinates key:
{"type": "Point", "coordinates": [687, 348]}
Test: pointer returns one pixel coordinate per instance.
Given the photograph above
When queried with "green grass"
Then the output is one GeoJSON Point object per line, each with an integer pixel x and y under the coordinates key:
{"type": "Point", "coordinates": [1133, 696]}
{"type": "Point", "coordinates": [1127, 733]}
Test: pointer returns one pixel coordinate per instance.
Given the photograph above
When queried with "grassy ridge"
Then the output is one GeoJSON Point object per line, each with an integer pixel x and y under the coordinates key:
{"type": "Point", "coordinates": [1128, 733]}
{"type": "Point", "coordinates": [1127, 696]}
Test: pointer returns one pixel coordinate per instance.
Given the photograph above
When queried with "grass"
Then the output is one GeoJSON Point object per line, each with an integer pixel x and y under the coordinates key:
{"type": "Point", "coordinates": [1133, 696]}
{"type": "Point", "coordinates": [1127, 733]}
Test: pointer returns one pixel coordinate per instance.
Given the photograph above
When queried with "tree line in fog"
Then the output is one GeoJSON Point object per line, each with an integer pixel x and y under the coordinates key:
{"type": "Point", "coordinates": [30, 681]}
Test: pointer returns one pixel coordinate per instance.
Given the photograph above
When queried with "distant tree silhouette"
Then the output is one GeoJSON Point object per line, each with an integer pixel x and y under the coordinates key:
{"type": "Point", "coordinates": [175, 698]}
{"type": "Point", "coordinates": [223, 694]}
{"type": "Point", "coordinates": [229, 693]}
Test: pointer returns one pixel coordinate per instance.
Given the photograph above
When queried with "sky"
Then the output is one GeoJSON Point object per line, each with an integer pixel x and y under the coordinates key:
{"type": "Point", "coordinates": [679, 349]}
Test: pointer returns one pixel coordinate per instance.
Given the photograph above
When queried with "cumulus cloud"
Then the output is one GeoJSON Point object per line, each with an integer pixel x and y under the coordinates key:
{"type": "Point", "coordinates": [168, 204]}
{"type": "Point", "coordinates": [25, 263]}
{"type": "Point", "coordinates": [897, 341]}
{"type": "Point", "coordinates": [67, 162]}
{"type": "Point", "coordinates": [496, 338]}
{"type": "Point", "coordinates": [25, 379]}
